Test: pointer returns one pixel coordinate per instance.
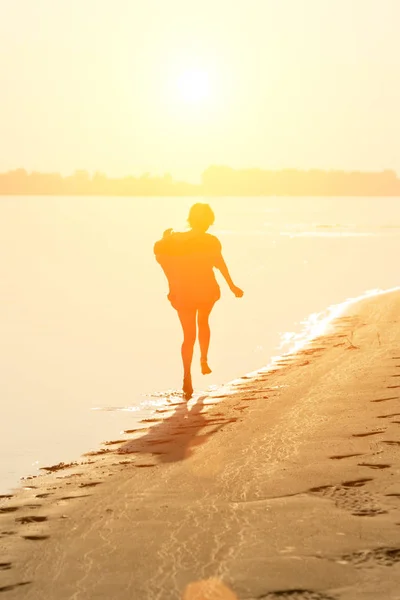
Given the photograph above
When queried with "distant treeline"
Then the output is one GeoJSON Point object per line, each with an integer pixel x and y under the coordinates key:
{"type": "Point", "coordinates": [216, 181]}
{"type": "Point", "coordinates": [81, 183]}
{"type": "Point", "coordinates": [224, 181]}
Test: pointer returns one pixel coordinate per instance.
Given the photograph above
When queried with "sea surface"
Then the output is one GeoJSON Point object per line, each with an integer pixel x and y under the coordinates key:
{"type": "Point", "coordinates": [89, 343]}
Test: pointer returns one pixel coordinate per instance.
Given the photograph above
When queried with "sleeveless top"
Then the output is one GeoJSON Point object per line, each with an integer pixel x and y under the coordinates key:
{"type": "Point", "coordinates": [188, 260]}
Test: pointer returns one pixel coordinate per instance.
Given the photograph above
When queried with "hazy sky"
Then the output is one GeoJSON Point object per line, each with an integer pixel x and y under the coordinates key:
{"type": "Point", "coordinates": [128, 86]}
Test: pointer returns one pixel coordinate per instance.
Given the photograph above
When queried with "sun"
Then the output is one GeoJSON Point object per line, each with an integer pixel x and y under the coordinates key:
{"type": "Point", "coordinates": [194, 86]}
{"type": "Point", "coordinates": [191, 93]}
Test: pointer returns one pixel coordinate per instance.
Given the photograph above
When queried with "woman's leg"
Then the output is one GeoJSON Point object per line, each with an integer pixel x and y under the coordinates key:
{"type": "Point", "coordinates": [204, 337]}
{"type": "Point", "coordinates": [187, 318]}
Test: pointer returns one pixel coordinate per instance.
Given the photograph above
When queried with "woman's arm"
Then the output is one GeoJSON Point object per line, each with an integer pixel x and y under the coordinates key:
{"type": "Point", "coordinates": [220, 264]}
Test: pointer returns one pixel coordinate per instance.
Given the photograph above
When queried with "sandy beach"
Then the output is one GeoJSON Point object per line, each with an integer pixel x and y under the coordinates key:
{"type": "Point", "coordinates": [287, 486]}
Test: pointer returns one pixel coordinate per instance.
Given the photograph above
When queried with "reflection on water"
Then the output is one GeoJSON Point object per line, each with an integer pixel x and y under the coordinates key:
{"type": "Point", "coordinates": [85, 323]}
{"type": "Point", "coordinates": [327, 234]}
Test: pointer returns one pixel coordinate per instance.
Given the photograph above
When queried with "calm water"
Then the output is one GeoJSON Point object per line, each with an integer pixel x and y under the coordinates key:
{"type": "Point", "coordinates": [85, 323]}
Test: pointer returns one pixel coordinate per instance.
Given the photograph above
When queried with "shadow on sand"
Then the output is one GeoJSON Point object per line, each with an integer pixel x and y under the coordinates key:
{"type": "Point", "coordinates": [177, 435]}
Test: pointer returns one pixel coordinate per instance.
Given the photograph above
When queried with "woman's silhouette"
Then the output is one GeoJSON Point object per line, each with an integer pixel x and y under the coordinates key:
{"type": "Point", "coordinates": [188, 260]}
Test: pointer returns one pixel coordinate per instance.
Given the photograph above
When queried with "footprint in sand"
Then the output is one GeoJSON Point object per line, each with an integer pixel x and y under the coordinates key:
{"type": "Point", "coordinates": [9, 509]}
{"type": "Point", "coordinates": [375, 465]}
{"type": "Point", "coordinates": [5, 566]}
{"type": "Point", "coordinates": [75, 497]}
{"type": "Point", "coordinates": [385, 557]}
{"type": "Point", "coordinates": [388, 416]}
{"type": "Point", "coordinates": [385, 399]}
{"type": "Point", "coordinates": [90, 484]}
{"type": "Point", "coordinates": [98, 452]}
{"type": "Point", "coordinates": [59, 467]}
{"type": "Point", "coordinates": [114, 442]}
{"type": "Point", "coordinates": [356, 482]}
{"type": "Point", "coordinates": [350, 497]}
{"type": "Point", "coordinates": [361, 435]}
{"type": "Point", "coordinates": [140, 429]}
{"type": "Point", "coordinates": [36, 538]}
{"type": "Point", "coordinates": [340, 456]}
{"type": "Point", "coordinates": [9, 588]}
{"type": "Point", "coordinates": [352, 483]}
{"type": "Point", "coordinates": [25, 520]}
{"type": "Point", "coordinates": [298, 594]}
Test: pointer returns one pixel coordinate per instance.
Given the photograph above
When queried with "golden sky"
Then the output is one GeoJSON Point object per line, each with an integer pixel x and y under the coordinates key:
{"type": "Point", "coordinates": [128, 86]}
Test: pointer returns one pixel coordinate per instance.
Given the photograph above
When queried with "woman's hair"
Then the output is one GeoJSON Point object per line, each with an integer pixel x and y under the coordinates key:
{"type": "Point", "coordinates": [201, 216]}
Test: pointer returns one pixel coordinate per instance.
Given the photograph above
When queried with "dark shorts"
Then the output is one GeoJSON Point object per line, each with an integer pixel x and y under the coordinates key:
{"type": "Point", "coordinates": [193, 303]}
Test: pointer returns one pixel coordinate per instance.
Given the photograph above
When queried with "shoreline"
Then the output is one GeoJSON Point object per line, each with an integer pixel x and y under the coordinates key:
{"type": "Point", "coordinates": [215, 486]}
{"type": "Point", "coordinates": [313, 326]}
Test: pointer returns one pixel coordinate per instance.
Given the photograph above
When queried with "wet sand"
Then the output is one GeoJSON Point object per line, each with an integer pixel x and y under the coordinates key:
{"type": "Point", "coordinates": [288, 486]}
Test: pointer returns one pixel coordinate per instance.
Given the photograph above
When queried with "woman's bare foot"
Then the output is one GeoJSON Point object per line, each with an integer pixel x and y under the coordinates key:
{"type": "Point", "coordinates": [187, 387]}
{"type": "Point", "coordinates": [205, 369]}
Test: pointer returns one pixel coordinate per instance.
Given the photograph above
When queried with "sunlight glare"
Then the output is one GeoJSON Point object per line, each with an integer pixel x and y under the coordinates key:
{"type": "Point", "coordinates": [194, 86]}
